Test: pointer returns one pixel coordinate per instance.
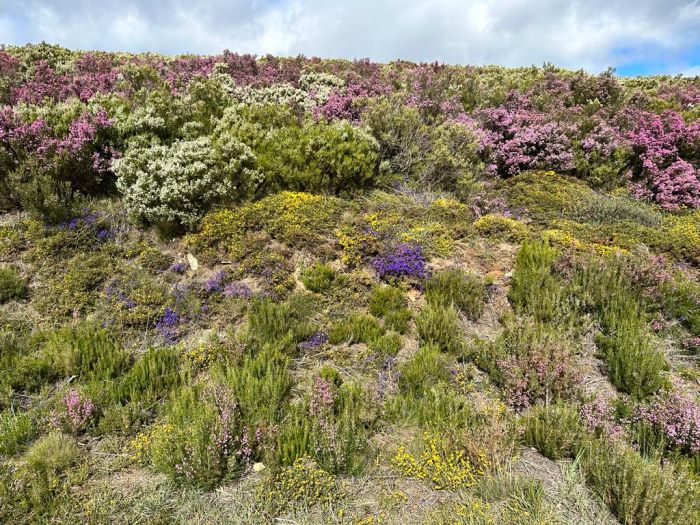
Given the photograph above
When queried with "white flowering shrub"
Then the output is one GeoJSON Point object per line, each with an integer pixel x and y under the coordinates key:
{"type": "Point", "coordinates": [176, 185]}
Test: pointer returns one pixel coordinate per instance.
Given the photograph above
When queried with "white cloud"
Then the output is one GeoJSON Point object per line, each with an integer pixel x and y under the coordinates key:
{"type": "Point", "coordinates": [591, 34]}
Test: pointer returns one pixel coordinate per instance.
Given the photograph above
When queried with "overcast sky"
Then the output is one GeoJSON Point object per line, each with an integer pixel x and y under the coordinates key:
{"type": "Point", "coordinates": [635, 36]}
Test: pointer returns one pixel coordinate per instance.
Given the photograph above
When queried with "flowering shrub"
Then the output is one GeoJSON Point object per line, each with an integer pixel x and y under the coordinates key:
{"type": "Point", "coordinates": [404, 260]}
{"type": "Point", "coordinates": [176, 185]}
{"type": "Point", "coordinates": [76, 412]}
{"type": "Point", "coordinates": [676, 417]}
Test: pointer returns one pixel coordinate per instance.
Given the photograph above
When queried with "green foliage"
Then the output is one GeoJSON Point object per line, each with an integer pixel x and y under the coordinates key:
{"type": "Point", "coordinates": [440, 326]}
{"type": "Point", "coordinates": [633, 364]}
{"type": "Point", "coordinates": [357, 328]}
{"type": "Point", "coordinates": [84, 351]}
{"type": "Point", "coordinates": [318, 278]}
{"type": "Point", "coordinates": [152, 377]}
{"type": "Point", "coordinates": [535, 289]}
{"type": "Point", "coordinates": [639, 492]}
{"type": "Point", "coordinates": [680, 299]}
{"type": "Point", "coordinates": [16, 430]}
{"type": "Point", "coordinates": [427, 368]}
{"type": "Point", "coordinates": [12, 286]}
{"type": "Point", "coordinates": [155, 260]}
{"type": "Point", "coordinates": [387, 345]}
{"type": "Point", "coordinates": [455, 287]}
{"type": "Point", "coordinates": [284, 324]}
{"type": "Point", "coordinates": [554, 430]}
{"type": "Point", "coordinates": [501, 228]}
{"type": "Point", "coordinates": [389, 303]}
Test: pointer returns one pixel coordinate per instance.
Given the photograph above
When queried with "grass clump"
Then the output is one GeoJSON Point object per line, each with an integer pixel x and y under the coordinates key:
{"type": "Point", "coordinates": [357, 328]}
{"type": "Point", "coordinates": [389, 303]}
{"type": "Point", "coordinates": [12, 285]}
{"type": "Point", "coordinates": [16, 430]}
{"type": "Point", "coordinates": [318, 278]}
{"type": "Point", "coordinates": [455, 287]}
{"type": "Point", "coordinates": [284, 324]}
{"type": "Point", "coordinates": [440, 326]}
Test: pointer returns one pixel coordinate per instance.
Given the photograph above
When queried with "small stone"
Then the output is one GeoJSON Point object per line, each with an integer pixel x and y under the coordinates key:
{"type": "Point", "coordinates": [194, 264]}
{"type": "Point", "coordinates": [257, 467]}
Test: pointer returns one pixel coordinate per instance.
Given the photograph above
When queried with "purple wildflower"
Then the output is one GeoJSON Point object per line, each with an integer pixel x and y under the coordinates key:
{"type": "Point", "coordinates": [238, 289]}
{"type": "Point", "coordinates": [404, 260]}
{"type": "Point", "coordinates": [314, 342]}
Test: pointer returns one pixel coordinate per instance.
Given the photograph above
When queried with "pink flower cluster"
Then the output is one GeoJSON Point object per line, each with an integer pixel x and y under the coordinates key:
{"type": "Point", "coordinates": [599, 416]}
{"type": "Point", "coordinates": [677, 417]}
{"type": "Point", "coordinates": [78, 410]}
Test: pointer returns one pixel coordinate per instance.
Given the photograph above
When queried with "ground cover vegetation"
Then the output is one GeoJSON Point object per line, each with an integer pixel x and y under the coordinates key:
{"type": "Point", "coordinates": [239, 289]}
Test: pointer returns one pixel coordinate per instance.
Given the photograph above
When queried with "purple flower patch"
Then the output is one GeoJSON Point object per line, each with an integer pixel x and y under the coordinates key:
{"type": "Point", "coordinates": [238, 289]}
{"type": "Point", "coordinates": [315, 341]}
{"type": "Point", "coordinates": [404, 260]}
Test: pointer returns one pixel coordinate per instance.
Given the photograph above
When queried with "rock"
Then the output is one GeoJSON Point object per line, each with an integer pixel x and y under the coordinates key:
{"type": "Point", "coordinates": [194, 264]}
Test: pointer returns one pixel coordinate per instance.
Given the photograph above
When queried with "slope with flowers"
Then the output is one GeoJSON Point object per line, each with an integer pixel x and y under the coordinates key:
{"type": "Point", "coordinates": [248, 290]}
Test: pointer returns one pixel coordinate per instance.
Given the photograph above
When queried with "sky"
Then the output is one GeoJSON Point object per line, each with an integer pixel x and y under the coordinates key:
{"type": "Point", "coordinates": [634, 36]}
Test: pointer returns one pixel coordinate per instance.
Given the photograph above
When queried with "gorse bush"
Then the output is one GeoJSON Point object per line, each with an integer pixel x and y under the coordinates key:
{"type": "Point", "coordinates": [454, 287]}
{"type": "Point", "coordinates": [12, 286]}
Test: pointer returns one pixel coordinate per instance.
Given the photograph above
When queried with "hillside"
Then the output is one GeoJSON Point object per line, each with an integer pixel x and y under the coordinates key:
{"type": "Point", "coordinates": [240, 289]}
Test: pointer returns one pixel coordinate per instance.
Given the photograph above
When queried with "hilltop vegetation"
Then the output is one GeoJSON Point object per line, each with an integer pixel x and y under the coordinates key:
{"type": "Point", "coordinates": [238, 289]}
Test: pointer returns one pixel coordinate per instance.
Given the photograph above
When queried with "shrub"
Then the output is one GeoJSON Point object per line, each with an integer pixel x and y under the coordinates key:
{"type": "Point", "coordinates": [16, 430]}
{"type": "Point", "coordinates": [633, 364]}
{"type": "Point", "coordinates": [440, 326]}
{"type": "Point", "coordinates": [535, 289]}
{"type": "Point", "coordinates": [389, 303]}
{"type": "Point", "coordinates": [531, 362]}
{"type": "Point", "coordinates": [357, 328]}
{"type": "Point", "coordinates": [387, 345]}
{"type": "Point", "coordinates": [501, 228]}
{"type": "Point", "coordinates": [200, 438]}
{"type": "Point", "coordinates": [439, 462]}
{"type": "Point", "coordinates": [554, 430]}
{"type": "Point", "coordinates": [636, 491]}
{"type": "Point", "coordinates": [173, 186]}
{"type": "Point", "coordinates": [426, 369]}
{"type": "Point", "coordinates": [454, 287]}
{"type": "Point", "coordinates": [155, 260]}
{"type": "Point", "coordinates": [12, 286]}
{"type": "Point", "coordinates": [318, 278]}
{"type": "Point", "coordinates": [284, 324]}
{"type": "Point", "coordinates": [152, 377]}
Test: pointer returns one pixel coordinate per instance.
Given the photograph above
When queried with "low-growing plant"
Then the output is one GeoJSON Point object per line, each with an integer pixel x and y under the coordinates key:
{"type": "Point", "coordinates": [554, 430]}
{"type": "Point", "coordinates": [16, 430]}
{"type": "Point", "coordinates": [455, 287]}
{"type": "Point", "coordinates": [285, 324]}
{"type": "Point", "coordinates": [440, 326]}
{"type": "Point", "coordinates": [12, 285]}
{"type": "Point", "coordinates": [387, 345]}
{"type": "Point", "coordinates": [389, 303]}
{"type": "Point", "coordinates": [357, 328]}
{"type": "Point", "coordinates": [501, 228]}
{"type": "Point", "coordinates": [152, 377]}
{"type": "Point", "coordinates": [318, 278]}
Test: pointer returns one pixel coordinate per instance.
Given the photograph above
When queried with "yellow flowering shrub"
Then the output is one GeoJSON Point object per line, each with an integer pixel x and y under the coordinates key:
{"type": "Point", "coordinates": [439, 464]}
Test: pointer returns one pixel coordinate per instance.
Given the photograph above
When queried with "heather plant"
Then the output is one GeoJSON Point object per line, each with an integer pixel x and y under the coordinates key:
{"type": "Point", "coordinates": [440, 326]}
{"type": "Point", "coordinates": [283, 324]}
{"type": "Point", "coordinates": [387, 345]}
{"type": "Point", "coordinates": [16, 431]}
{"type": "Point", "coordinates": [357, 328]}
{"type": "Point", "coordinates": [12, 286]}
{"type": "Point", "coordinates": [637, 491]}
{"type": "Point", "coordinates": [152, 376]}
{"type": "Point", "coordinates": [389, 303]}
{"type": "Point", "coordinates": [318, 278]}
{"type": "Point", "coordinates": [536, 289]}
{"type": "Point", "coordinates": [454, 287]}
{"type": "Point", "coordinates": [531, 362]}
{"type": "Point", "coordinates": [426, 369]}
{"type": "Point", "coordinates": [554, 430]}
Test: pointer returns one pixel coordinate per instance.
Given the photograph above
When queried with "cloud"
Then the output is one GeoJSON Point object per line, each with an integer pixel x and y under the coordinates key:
{"type": "Point", "coordinates": [590, 34]}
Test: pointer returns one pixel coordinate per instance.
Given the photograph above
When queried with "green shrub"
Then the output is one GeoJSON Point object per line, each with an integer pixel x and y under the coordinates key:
{"type": "Point", "coordinates": [284, 324]}
{"type": "Point", "coordinates": [318, 278]}
{"type": "Point", "coordinates": [633, 364]}
{"type": "Point", "coordinates": [639, 492]}
{"type": "Point", "coordinates": [440, 326]}
{"type": "Point", "coordinates": [680, 299]}
{"type": "Point", "coordinates": [84, 350]}
{"type": "Point", "coordinates": [554, 430]}
{"type": "Point", "coordinates": [12, 286]}
{"type": "Point", "coordinates": [198, 441]}
{"type": "Point", "coordinates": [501, 228]}
{"type": "Point", "coordinates": [427, 368]}
{"type": "Point", "coordinates": [154, 260]}
{"type": "Point", "coordinates": [261, 385]}
{"type": "Point", "coordinates": [387, 345]}
{"type": "Point", "coordinates": [454, 287]}
{"type": "Point", "coordinates": [535, 290]}
{"type": "Point", "coordinates": [152, 377]}
{"type": "Point", "coordinates": [16, 430]}
{"type": "Point", "coordinates": [357, 328]}
{"type": "Point", "coordinates": [389, 303]}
